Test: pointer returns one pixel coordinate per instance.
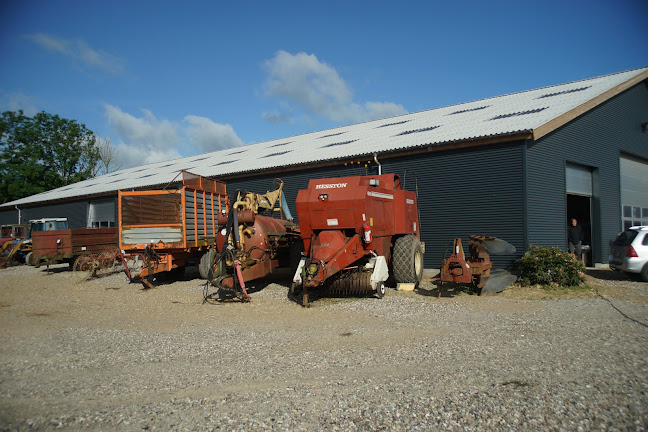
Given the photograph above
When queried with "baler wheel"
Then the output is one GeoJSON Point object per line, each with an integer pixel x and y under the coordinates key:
{"type": "Point", "coordinates": [407, 260]}
{"type": "Point", "coordinates": [380, 289]}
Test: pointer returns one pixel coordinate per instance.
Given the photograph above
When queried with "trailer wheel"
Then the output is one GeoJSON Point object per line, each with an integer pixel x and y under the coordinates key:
{"type": "Point", "coordinates": [206, 263]}
{"type": "Point", "coordinates": [28, 259]}
{"type": "Point", "coordinates": [407, 260]}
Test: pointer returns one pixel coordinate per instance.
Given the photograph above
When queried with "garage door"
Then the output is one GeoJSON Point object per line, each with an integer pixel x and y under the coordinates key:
{"type": "Point", "coordinates": [101, 214]}
{"type": "Point", "coordinates": [634, 191]}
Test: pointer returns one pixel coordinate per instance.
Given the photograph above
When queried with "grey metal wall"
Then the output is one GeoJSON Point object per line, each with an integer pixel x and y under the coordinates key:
{"type": "Point", "coordinates": [463, 192]}
{"type": "Point", "coordinates": [76, 212]}
{"type": "Point", "coordinates": [8, 216]}
{"type": "Point", "coordinates": [596, 140]}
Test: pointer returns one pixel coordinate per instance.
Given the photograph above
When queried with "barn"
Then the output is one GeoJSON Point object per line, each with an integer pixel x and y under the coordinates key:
{"type": "Point", "coordinates": [516, 166]}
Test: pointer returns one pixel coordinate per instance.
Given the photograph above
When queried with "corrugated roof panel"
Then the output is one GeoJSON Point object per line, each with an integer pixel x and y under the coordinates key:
{"type": "Point", "coordinates": [502, 115]}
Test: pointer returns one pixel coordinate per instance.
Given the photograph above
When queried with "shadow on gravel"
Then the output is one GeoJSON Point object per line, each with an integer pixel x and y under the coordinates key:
{"type": "Point", "coordinates": [56, 269]}
{"type": "Point", "coordinates": [611, 275]}
{"type": "Point", "coordinates": [430, 288]}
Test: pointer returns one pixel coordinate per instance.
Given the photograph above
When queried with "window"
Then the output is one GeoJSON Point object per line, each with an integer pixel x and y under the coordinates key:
{"type": "Point", "coordinates": [339, 144]}
{"type": "Point", "coordinates": [634, 191]}
{"type": "Point", "coordinates": [469, 110]}
{"type": "Point", "coordinates": [330, 135]}
{"type": "Point", "coordinates": [103, 224]}
{"type": "Point", "coordinates": [418, 130]}
{"type": "Point", "coordinates": [276, 154]}
{"type": "Point", "coordinates": [563, 92]}
{"type": "Point", "coordinates": [520, 113]}
{"type": "Point", "coordinates": [393, 124]}
{"type": "Point", "coordinates": [634, 216]}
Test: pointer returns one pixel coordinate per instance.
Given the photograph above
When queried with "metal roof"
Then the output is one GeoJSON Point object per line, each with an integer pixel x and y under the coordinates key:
{"type": "Point", "coordinates": [534, 112]}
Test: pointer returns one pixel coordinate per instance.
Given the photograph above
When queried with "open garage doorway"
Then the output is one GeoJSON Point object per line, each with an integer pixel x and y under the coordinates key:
{"type": "Point", "coordinates": [580, 207]}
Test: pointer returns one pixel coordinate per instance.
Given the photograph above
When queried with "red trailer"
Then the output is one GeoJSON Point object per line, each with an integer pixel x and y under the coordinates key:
{"type": "Point", "coordinates": [356, 232]}
{"type": "Point", "coordinates": [68, 245]}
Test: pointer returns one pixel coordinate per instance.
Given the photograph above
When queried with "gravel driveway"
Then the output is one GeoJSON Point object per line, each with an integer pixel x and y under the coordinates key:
{"type": "Point", "coordinates": [102, 354]}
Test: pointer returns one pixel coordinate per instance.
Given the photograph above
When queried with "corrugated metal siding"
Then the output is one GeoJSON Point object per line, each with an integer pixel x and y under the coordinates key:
{"type": "Point", "coordinates": [8, 217]}
{"type": "Point", "coordinates": [76, 213]}
{"type": "Point", "coordinates": [474, 191]}
{"type": "Point", "coordinates": [595, 139]}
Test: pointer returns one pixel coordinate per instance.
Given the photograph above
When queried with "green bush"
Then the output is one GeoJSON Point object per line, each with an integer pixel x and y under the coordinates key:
{"type": "Point", "coordinates": [544, 265]}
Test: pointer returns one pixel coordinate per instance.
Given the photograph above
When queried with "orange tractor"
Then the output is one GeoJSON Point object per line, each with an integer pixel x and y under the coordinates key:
{"type": "Point", "coordinates": [357, 232]}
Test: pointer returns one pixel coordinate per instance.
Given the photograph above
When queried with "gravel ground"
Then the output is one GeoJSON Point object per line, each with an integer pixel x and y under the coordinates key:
{"type": "Point", "coordinates": [103, 354]}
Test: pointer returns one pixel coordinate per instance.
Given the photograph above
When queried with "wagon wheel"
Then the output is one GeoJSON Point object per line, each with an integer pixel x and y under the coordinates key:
{"type": "Point", "coordinates": [106, 262]}
{"type": "Point", "coordinates": [84, 267]}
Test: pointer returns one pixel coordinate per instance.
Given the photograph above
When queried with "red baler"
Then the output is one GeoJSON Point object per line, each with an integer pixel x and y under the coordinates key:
{"type": "Point", "coordinates": [356, 232]}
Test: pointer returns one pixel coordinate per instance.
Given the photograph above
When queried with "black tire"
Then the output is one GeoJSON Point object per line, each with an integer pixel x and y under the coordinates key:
{"type": "Point", "coordinates": [28, 258]}
{"type": "Point", "coordinates": [380, 289]}
{"type": "Point", "coordinates": [407, 260]}
{"type": "Point", "coordinates": [205, 263]}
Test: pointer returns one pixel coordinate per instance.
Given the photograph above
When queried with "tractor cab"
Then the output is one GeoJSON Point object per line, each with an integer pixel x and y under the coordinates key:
{"type": "Point", "coordinates": [48, 224]}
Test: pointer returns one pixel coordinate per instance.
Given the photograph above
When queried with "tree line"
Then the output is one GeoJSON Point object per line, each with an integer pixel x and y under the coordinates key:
{"type": "Point", "coordinates": [46, 151]}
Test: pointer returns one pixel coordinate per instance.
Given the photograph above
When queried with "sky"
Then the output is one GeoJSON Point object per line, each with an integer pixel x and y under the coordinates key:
{"type": "Point", "coordinates": [167, 79]}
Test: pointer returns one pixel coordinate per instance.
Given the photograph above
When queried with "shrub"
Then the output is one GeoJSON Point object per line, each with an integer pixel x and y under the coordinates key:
{"type": "Point", "coordinates": [551, 266]}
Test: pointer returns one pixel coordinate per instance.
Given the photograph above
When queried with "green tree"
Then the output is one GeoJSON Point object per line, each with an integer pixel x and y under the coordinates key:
{"type": "Point", "coordinates": [42, 152]}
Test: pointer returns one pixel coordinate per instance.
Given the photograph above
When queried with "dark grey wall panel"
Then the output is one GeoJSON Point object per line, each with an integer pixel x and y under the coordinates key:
{"type": "Point", "coordinates": [8, 216]}
{"type": "Point", "coordinates": [595, 139]}
{"type": "Point", "coordinates": [472, 191]}
{"type": "Point", "coordinates": [76, 212]}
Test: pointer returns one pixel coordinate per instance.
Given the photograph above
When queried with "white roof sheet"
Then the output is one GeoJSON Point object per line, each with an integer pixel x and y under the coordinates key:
{"type": "Point", "coordinates": [497, 116]}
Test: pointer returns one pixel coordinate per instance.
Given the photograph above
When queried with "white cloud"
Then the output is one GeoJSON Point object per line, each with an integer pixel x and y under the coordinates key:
{"type": "Point", "coordinates": [210, 136]}
{"type": "Point", "coordinates": [277, 117]}
{"type": "Point", "coordinates": [147, 139]}
{"type": "Point", "coordinates": [304, 82]}
{"type": "Point", "coordinates": [15, 101]}
{"type": "Point", "coordinates": [142, 140]}
{"type": "Point", "coordinates": [80, 51]}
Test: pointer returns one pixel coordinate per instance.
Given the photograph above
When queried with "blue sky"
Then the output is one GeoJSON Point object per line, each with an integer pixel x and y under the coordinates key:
{"type": "Point", "coordinates": [165, 79]}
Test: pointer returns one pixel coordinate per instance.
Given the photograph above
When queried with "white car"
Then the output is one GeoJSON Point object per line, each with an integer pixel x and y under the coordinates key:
{"type": "Point", "coordinates": [629, 252]}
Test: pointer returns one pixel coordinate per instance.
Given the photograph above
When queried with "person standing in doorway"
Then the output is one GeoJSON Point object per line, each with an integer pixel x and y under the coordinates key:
{"type": "Point", "coordinates": [575, 238]}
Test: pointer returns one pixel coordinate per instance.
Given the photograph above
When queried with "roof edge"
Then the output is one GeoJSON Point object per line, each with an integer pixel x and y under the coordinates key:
{"type": "Point", "coordinates": [557, 122]}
